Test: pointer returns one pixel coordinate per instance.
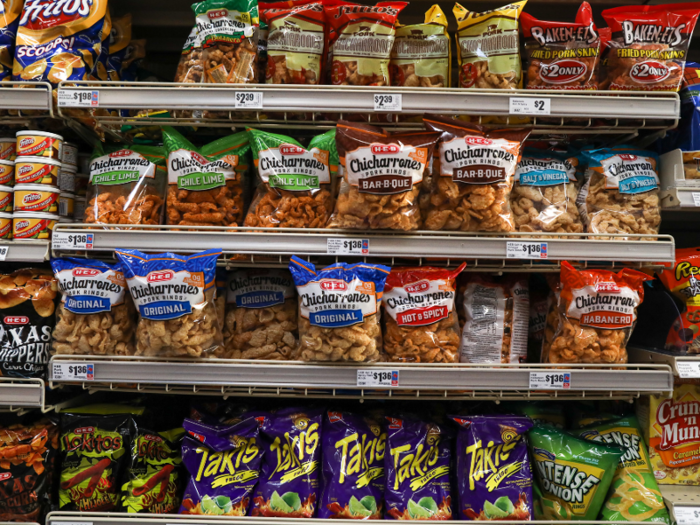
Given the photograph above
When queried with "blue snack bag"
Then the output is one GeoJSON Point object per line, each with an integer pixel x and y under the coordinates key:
{"type": "Point", "coordinates": [174, 295]}
{"type": "Point", "coordinates": [9, 21]}
{"type": "Point", "coordinates": [339, 310]}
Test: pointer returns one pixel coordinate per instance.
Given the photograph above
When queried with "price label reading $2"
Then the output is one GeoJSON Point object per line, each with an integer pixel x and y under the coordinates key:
{"type": "Point", "coordinates": [249, 100]}
{"type": "Point", "coordinates": [72, 241]}
{"type": "Point", "coordinates": [529, 106]}
{"type": "Point", "coordinates": [387, 102]}
{"type": "Point", "coordinates": [78, 371]}
{"type": "Point", "coordinates": [550, 380]}
{"type": "Point", "coordinates": [347, 246]}
{"type": "Point", "coordinates": [687, 515]}
{"type": "Point", "coordinates": [526, 250]}
{"type": "Point", "coordinates": [377, 378]}
{"type": "Point", "coordinates": [81, 98]}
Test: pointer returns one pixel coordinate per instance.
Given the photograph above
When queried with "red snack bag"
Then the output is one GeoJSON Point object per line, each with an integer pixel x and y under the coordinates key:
{"type": "Point", "coordinates": [605, 36]}
{"type": "Point", "coordinates": [561, 55]}
{"type": "Point", "coordinates": [361, 39]}
{"type": "Point", "coordinates": [649, 45]}
{"type": "Point", "coordinates": [683, 281]}
{"type": "Point", "coordinates": [597, 313]}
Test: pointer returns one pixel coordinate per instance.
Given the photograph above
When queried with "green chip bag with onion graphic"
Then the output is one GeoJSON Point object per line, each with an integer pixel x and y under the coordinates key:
{"type": "Point", "coordinates": [573, 475]}
{"type": "Point", "coordinates": [634, 494]}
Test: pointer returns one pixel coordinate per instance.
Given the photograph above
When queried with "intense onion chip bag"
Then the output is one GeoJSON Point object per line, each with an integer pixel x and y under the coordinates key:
{"type": "Point", "coordinates": [353, 467]}
{"type": "Point", "coordinates": [493, 470]}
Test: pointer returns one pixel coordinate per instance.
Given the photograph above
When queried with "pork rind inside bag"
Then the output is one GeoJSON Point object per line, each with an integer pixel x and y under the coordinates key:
{"type": "Point", "coordinates": [174, 296]}
{"type": "Point", "coordinates": [295, 182]}
{"type": "Point", "coordinates": [497, 312]}
{"type": "Point", "coordinates": [127, 186]}
{"type": "Point", "coordinates": [261, 315]}
{"type": "Point", "coordinates": [621, 192]}
{"type": "Point", "coordinates": [421, 324]}
{"type": "Point", "coordinates": [96, 316]}
{"type": "Point", "coordinates": [544, 193]}
{"type": "Point", "coordinates": [206, 185]}
{"type": "Point", "coordinates": [597, 313]}
{"type": "Point", "coordinates": [190, 69]}
{"type": "Point", "coordinates": [339, 310]}
{"type": "Point", "coordinates": [421, 55]}
{"type": "Point", "coordinates": [472, 177]}
{"type": "Point", "coordinates": [691, 164]}
{"type": "Point", "coordinates": [382, 176]}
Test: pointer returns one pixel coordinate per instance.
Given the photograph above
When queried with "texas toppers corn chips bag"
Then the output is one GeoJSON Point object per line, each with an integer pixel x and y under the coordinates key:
{"type": "Point", "coordinates": [58, 39]}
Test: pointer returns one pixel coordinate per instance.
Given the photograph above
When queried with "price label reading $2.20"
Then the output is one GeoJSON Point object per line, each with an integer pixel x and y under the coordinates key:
{"type": "Point", "coordinates": [550, 380]}
{"type": "Point", "coordinates": [249, 100]}
{"type": "Point", "coordinates": [347, 246]}
{"type": "Point", "coordinates": [72, 241]}
{"type": "Point", "coordinates": [687, 515]}
{"type": "Point", "coordinates": [387, 102]}
{"type": "Point", "coordinates": [73, 371]}
{"type": "Point", "coordinates": [377, 378]}
{"type": "Point", "coordinates": [529, 106]}
{"type": "Point", "coordinates": [526, 250]}
{"type": "Point", "coordinates": [78, 98]}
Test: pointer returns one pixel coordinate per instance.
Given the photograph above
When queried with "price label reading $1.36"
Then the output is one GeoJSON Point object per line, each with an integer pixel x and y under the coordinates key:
{"type": "Point", "coordinates": [687, 515]}
{"type": "Point", "coordinates": [72, 241]}
{"type": "Point", "coordinates": [529, 106]}
{"type": "Point", "coordinates": [550, 380]}
{"type": "Point", "coordinates": [249, 100]}
{"type": "Point", "coordinates": [73, 371]}
{"type": "Point", "coordinates": [387, 102]}
{"type": "Point", "coordinates": [347, 246]}
{"type": "Point", "coordinates": [377, 378]}
{"type": "Point", "coordinates": [78, 98]}
{"type": "Point", "coordinates": [526, 250]}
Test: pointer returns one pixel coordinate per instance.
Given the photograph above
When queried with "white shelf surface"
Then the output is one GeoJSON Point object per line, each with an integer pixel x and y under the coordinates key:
{"type": "Point", "coordinates": [299, 379]}
{"type": "Point", "coordinates": [18, 394]}
{"type": "Point", "coordinates": [682, 497]}
{"type": "Point", "coordinates": [26, 96]}
{"type": "Point", "coordinates": [26, 251]}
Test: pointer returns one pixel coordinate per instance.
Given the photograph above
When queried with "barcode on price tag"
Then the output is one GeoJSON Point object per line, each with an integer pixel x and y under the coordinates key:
{"type": "Point", "coordinates": [347, 246]}
{"type": "Point", "coordinates": [249, 100]}
{"type": "Point", "coordinates": [377, 378]}
{"type": "Point", "coordinates": [73, 371]}
{"type": "Point", "coordinates": [526, 250]}
{"type": "Point", "coordinates": [529, 106]}
{"type": "Point", "coordinates": [696, 199]}
{"type": "Point", "coordinates": [387, 102]}
{"type": "Point", "coordinates": [550, 380]}
{"type": "Point", "coordinates": [687, 515]}
{"type": "Point", "coordinates": [4, 250]}
{"type": "Point", "coordinates": [78, 98]}
{"type": "Point", "coordinates": [688, 369]}
{"type": "Point", "coordinates": [72, 241]}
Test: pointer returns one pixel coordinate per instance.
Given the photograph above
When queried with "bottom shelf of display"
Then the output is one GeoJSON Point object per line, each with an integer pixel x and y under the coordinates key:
{"type": "Point", "coordinates": [683, 502]}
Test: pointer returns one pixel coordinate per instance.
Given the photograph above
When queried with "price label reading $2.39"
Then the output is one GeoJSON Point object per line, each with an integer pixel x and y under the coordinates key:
{"type": "Point", "coordinates": [249, 100]}
{"type": "Point", "coordinates": [687, 515]}
{"type": "Point", "coordinates": [347, 246]}
{"type": "Point", "coordinates": [526, 250]}
{"type": "Point", "coordinates": [70, 371]}
{"type": "Point", "coordinates": [72, 241]}
{"type": "Point", "coordinates": [387, 102]}
{"type": "Point", "coordinates": [550, 380]}
{"type": "Point", "coordinates": [529, 106]}
{"type": "Point", "coordinates": [377, 378]}
{"type": "Point", "coordinates": [81, 98]}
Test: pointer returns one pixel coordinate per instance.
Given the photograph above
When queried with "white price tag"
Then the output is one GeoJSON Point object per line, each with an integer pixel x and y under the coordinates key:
{"type": "Point", "coordinates": [72, 241]}
{"type": "Point", "coordinates": [687, 515]}
{"type": "Point", "coordinates": [696, 199]}
{"type": "Point", "coordinates": [529, 106]}
{"type": "Point", "coordinates": [526, 250]}
{"type": "Point", "coordinates": [249, 100]}
{"type": "Point", "coordinates": [4, 250]}
{"type": "Point", "coordinates": [377, 378]}
{"type": "Point", "coordinates": [387, 102]}
{"type": "Point", "coordinates": [78, 98]}
{"type": "Point", "coordinates": [57, 522]}
{"type": "Point", "coordinates": [73, 371]}
{"type": "Point", "coordinates": [550, 380]}
{"type": "Point", "coordinates": [347, 246]}
{"type": "Point", "coordinates": [688, 369]}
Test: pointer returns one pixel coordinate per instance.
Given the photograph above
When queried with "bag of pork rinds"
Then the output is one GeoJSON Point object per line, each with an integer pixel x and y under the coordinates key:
{"type": "Point", "coordinates": [597, 313]}
{"type": "Point", "coordinates": [421, 324]}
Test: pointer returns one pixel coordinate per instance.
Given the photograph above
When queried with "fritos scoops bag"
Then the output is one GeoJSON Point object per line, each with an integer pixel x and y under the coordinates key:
{"type": "Point", "coordinates": [9, 21]}
{"type": "Point", "coordinates": [295, 189]}
{"type": "Point", "coordinates": [421, 323]}
{"type": "Point", "coordinates": [339, 310]}
{"type": "Point", "coordinates": [361, 39]}
{"type": "Point", "coordinates": [354, 448]}
{"type": "Point", "coordinates": [95, 316]}
{"type": "Point", "coordinates": [418, 466]}
{"type": "Point", "coordinates": [562, 55]}
{"type": "Point", "coordinates": [119, 41]}
{"type": "Point", "coordinates": [488, 47]}
{"type": "Point", "coordinates": [683, 282]}
{"type": "Point", "coordinates": [472, 177]}
{"type": "Point", "coordinates": [382, 176]}
{"type": "Point", "coordinates": [649, 45]}
{"type": "Point", "coordinates": [493, 470]}
{"type": "Point", "coordinates": [190, 69]}
{"type": "Point", "coordinates": [421, 55]}
{"type": "Point", "coordinates": [597, 313]}
{"type": "Point", "coordinates": [58, 40]}
{"type": "Point", "coordinates": [174, 295]}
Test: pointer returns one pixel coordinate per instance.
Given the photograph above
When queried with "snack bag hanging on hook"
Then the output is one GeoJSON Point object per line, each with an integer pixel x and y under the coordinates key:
{"type": "Point", "coordinates": [9, 21]}
{"type": "Point", "coordinates": [683, 281]}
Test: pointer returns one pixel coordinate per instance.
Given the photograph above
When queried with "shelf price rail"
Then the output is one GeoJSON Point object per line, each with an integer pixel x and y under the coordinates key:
{"type": "Point", "coordinates": [21, 101]}
{"type": "Point", "coordinates": [21, 394]}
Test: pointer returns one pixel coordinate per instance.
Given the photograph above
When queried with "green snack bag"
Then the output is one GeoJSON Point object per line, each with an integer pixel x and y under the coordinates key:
{"type": "Point", "coordinates": [634, 494]}
{"type": "Point", "coordinates": [205, 185]}
{"type": "Point", "coordinates": [573, 474]}
{"type": "Point", "coordinates": [542, 413]}
{"type": "Point", "coordinates": [295, 182]}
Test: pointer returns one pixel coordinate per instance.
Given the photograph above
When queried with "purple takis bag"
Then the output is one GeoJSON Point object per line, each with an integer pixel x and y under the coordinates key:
{"type": "Point", "coordinates": [224, 465]}
{"type": "Point", "coordinates": [417, 466]}
{"type": "Point", "coordinates": [493, 471]}
{"type": "Point", "coordinates": [289, 482]}
{"type": "Point", "coordinates": [353, 467]}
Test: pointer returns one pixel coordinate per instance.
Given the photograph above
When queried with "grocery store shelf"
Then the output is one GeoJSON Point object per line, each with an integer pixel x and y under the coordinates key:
{"type": "Point", "coordinates": [382, 244]}
{"type": "Point", "coordinates": [25, 251]}
{"type": "Point", "coordinates": [683, 366]}
{"type": "Point", "coordinates": [19, 394]}
{"type": "Point", "coordinates": [299, 379]}
{"type": "Point", "coordinates": [26, 100]}
{"type": "Point", "coordinates": [684, 503]}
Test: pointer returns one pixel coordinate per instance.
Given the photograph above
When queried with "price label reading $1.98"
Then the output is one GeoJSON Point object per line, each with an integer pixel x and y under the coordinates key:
{"type": "Point", "coordinates": [687, 515]}
{"type": "Point", "coordinates": [347, 246]}
{"type": "Point", "coordinates": [387, 102]}
{"type": "Point", "coordinates": [72, 241]}
{"type": "Point", "coordinates": [526, 250]}
{"type": "Point", "coordinates": [81, 98]}
{"type": "Point", "coordinates": [249, 100]}
{"type": "Point", "coordinates": [73, 371]}
{"type": "Point", "coordinates": [377, 378]}
{"type": "Point", "coordinates": [550, 380]}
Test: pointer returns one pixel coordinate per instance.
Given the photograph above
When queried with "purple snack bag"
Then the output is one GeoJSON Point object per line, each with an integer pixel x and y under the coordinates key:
{"type": "Point", "coordinates": [289, 482]}
{"type": "Point", "coordinates": [353, 467]}
{"type": "Point", "coordinates": [417, 468]}
{"type": "Point", "coordinates": [493, 470]}
{"type": "Point", "coordinates": [224, 465]}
